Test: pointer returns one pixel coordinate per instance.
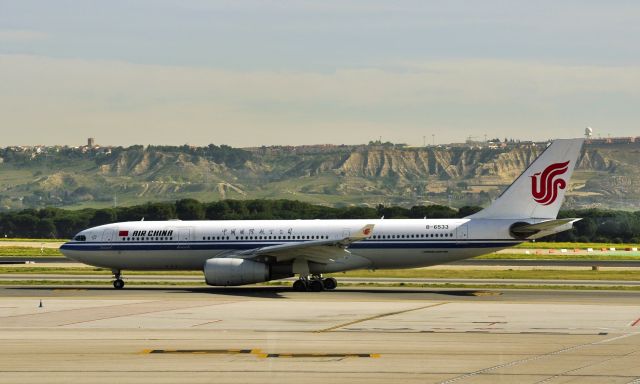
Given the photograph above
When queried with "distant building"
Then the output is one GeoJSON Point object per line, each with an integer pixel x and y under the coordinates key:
{"type": "Point", "coordinates": [91, 142]}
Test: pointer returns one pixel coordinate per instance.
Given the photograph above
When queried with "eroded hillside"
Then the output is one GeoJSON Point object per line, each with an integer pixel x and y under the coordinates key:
{"type": "Point", "coordinates": [607, 176]}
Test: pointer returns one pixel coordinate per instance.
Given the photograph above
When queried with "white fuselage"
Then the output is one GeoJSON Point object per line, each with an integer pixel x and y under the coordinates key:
{"type": "Point", "coordinates": [187, 245]}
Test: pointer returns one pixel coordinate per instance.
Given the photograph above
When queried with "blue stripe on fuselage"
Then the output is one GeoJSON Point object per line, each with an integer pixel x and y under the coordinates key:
{"type": "Point", "coordinates": [244, 245]}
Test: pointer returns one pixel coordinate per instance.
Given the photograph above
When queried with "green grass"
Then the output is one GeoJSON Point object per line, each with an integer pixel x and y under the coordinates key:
{"type": "Point", "coordinates": [566, 245]}
{"type": "Point", "coordinates": [542, 274]}
{"type": "Point", "coordinates": [497, 286]}
{"type": "Point", "coordinates": [88, 271]}
{"type": "Point", "coordinates": [29, 251]}
{"type": "Point", "coordinates": [96, 282]}
{"type": "Point", "coordinates": [555, 256]}
{"type": "Point", "coordinates": [9, 239]}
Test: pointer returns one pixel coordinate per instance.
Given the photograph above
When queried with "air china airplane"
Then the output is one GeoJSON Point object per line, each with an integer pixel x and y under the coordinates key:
{"type": "Point", "coordinates": [248, 252]}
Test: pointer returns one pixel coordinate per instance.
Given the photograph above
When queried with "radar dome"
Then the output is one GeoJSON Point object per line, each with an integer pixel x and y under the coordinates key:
{"type": "Point", "coordinates": [588, 132]}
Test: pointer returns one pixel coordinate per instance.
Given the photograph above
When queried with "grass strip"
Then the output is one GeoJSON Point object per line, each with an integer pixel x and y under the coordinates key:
{"type": "Point", "coordinates": [540, 274]}
{"type": "Point", "coordinates": [556, 256]}
{"type": "Point", "coordinates": [88, 271]}
{"type": "Point", "coordinates": [10, 239]}
{"type": "Point", "coordinates": [30, 251]}
{"type": "Point", "coordinates": [567, 245]}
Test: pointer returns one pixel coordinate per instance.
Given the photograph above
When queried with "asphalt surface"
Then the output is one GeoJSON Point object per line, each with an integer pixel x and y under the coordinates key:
{"type": "Point", "coordinates": [272, 334]}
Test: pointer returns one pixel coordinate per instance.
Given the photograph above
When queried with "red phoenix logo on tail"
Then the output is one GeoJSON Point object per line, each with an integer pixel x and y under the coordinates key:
{"type": "Point", "coordinates": [545, 189]}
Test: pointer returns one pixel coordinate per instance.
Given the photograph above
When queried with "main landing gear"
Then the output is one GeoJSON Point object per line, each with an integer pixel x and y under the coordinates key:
{"type": "Point", "coordinates": [314, 283]}
{"type": "Point", "coordinates": [118, 283]}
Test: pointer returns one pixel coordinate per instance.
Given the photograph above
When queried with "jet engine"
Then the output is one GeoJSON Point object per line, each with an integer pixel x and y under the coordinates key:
{"type": "Point", "coordinates": [230, 271]}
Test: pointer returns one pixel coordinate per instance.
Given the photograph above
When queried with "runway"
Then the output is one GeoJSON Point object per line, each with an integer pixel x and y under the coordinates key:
{"type": "Point", "coordinates": [271, 334]}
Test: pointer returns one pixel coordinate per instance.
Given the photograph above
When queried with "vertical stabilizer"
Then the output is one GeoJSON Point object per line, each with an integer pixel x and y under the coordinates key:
{"type": "Point", "coordinates": [539, 191]}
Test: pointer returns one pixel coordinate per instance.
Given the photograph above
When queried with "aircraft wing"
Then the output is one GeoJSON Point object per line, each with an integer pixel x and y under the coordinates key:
{"type": "Point", "coordinates": [319, 251]}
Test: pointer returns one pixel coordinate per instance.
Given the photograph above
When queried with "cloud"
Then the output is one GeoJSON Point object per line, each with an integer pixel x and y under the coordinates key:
{"type": "Point", "coordinates": [66, 100]}
{"type": "Point", "coordinates": [21, 35]}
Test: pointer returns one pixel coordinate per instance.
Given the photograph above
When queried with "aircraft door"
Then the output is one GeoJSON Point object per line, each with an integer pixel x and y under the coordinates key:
{"type": "Point", "coordinates": [462, 232]}
{"type": "Point", "coordinates": [108, 235]}
{"type": "Point", "coordinates": [184, 236]}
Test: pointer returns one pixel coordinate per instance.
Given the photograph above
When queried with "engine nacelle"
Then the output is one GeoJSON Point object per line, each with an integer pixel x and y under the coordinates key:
{"type": "Point", "coordinates": [230, 271]}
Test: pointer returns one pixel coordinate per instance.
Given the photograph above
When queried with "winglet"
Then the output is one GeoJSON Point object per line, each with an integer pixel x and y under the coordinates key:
{"type": "Point", "coordinates": [363, 233]}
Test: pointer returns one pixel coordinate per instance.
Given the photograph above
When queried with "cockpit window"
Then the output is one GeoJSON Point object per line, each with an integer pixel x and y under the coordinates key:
{"type": "Point", "coordinates": [80, 238]}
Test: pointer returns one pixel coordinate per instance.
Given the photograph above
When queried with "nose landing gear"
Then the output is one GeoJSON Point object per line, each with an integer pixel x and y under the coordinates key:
{"type": "Point", "coordinates": [118, 283]}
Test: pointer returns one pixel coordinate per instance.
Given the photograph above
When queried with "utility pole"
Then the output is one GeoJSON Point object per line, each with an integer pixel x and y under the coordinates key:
{"type": "Point", "coordinates": [115, 206]}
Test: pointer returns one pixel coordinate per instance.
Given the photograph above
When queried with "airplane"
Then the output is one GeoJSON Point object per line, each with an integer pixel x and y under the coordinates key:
{"type": "Point", "coordinates": [240, 252]}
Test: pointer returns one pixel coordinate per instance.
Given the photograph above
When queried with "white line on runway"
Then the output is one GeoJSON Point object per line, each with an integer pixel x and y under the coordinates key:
{"type": "Point", "coordinates": [534, 358]}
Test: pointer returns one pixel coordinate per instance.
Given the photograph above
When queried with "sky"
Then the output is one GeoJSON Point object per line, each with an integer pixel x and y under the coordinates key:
{"type": "Point", "coordinates": [261, 72]}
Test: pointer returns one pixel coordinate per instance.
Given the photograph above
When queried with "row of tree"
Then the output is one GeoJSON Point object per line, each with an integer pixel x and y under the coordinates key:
{"type": "Point", "coordinates": [596, 226]}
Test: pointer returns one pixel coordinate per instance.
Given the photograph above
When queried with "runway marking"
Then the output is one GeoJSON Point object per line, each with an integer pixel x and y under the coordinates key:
{"type": "Point", "coordinates": [115, 316]}
{"type": "Point", "coordinates": [312, 355]}
{"type": "Point", "coordinates": [378, 317]}
{"type": "Point", "coordinates": [205, 351]}
{"type": "Point", "coordinates": [534, 358]}
{"type": "Point", "coordinates": [205, 323]}
{"type": "Point", "coordinates": [257, 352]}
{"type": "Point", "coordinates": [486, 293]}
{"type": "Point", "coordinates": [569, 372]}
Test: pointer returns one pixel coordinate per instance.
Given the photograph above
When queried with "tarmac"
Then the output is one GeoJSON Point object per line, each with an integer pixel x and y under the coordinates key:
{"type": "Point", "coordinates": [272, 334]}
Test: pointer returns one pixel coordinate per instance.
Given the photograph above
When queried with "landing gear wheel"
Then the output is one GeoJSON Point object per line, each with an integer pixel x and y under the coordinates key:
{"type": "Point", "coordinates": [316, 285]}
{"type": "Point", "coordinates": [118, 283]}
{"type": "Point", "coordinates": [330, 283]}
{"type": "Point", "coordinates": [300, 285]}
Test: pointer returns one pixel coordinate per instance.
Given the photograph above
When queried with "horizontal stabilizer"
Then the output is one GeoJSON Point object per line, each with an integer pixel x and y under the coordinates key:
{"type": "Point", "coordinates": [544, 228]}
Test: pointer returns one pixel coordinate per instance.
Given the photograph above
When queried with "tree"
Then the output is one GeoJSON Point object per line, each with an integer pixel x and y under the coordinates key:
{"type": "Point", "coordinates": [189, 209]}
{"type": "Point", "coordinates": [46, 228]}
{"type": "Point", "coordinates": [468, 210]}
{"type": "Point", "coordinates": [102, 216]}
{"type": "Point", "coordinates": [160, 211]}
